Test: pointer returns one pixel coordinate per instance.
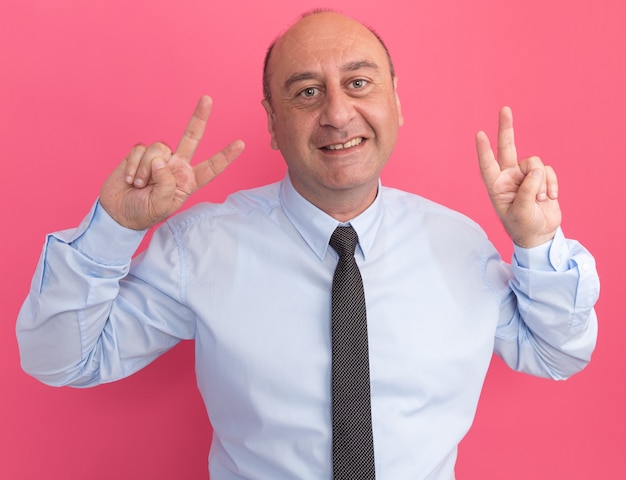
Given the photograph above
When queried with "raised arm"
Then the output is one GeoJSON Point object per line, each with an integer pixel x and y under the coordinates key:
{"type": "Point", "coordinates": [85, 320]}
{"type": "Point", "coordinates": [153, 182]}
{"type": "Point", "coordinates": [524, 193]}
{"type": "Point", "coordinates": [548, 326]}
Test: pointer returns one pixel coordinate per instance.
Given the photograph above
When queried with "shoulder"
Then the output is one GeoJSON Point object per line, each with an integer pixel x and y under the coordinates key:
{"type": "Point", "coordinates": [256, 202]}
{"type": "Point", "coordinates": [424, 227]}
{"type": "Point", "coordinates": [409, 208]}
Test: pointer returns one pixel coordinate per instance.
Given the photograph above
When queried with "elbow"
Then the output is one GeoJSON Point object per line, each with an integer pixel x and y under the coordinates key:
{"type": "Point", "coordinates": [570, 357]}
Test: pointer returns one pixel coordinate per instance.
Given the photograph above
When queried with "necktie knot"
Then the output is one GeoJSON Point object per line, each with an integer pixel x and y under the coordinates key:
{"type": "Point", "coordinates": [344, 240]}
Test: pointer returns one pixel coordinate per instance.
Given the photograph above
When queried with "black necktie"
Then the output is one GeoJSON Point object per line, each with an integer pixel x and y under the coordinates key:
{"type": "Point", "coordinates": [353, 444]}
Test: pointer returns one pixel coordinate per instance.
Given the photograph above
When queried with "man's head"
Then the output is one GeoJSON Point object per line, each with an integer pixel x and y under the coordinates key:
{"type": "Point", "coordinates": [267, 94]}
{"type": "Point", "coordinates": [332, 109]}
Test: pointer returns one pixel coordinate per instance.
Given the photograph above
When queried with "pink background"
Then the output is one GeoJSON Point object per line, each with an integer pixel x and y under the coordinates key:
{"type": "Point", "coordinates": [81, 82]}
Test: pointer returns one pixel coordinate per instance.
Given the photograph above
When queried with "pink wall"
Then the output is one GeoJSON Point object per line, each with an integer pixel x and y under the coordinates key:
{"type": "Point", "coordinates": [81, 82]}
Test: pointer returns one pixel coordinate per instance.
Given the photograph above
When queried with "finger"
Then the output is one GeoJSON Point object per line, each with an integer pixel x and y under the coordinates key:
{"type": "Point", "coordinates": [529, 190]}
{"type": "Point", "coordinates": [527, 166]}
{"type": "Point", "coordinates": [195, 129]}
{"type": "Point", "coordinates": [489, 167]}
{"type": "Point", "coordinates": [144, 169]}
{"type": "Point", "coordinates": [164, 188]}
{"type": "Point", "coordinates": [552, 183]}
{"type": "Point", "coordinates": [211, 168]}
{"type": "Point", "coordinates": [507, 154]}
{"type": "Point", "coordinates": [132, 161]}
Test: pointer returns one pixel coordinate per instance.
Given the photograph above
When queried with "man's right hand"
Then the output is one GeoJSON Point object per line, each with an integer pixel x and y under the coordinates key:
{"type": "Point", "coordinates": [153, 182]}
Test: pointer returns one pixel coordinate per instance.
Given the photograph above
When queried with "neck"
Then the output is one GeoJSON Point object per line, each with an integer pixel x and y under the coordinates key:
{"type": "Point", "coordinates": [341, 204]}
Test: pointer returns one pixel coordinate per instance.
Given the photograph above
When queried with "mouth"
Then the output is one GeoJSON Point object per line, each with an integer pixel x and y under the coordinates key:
{"type": "Point", "coordinates": [343, 146]}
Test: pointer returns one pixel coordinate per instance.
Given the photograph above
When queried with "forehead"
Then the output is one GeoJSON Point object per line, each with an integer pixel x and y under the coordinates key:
{"type": "Point", "coordinates": [323, 42]}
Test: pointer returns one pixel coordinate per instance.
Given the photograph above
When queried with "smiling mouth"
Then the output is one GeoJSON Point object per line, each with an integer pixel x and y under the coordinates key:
{"type": "Point", "coordinates": [342, 146]}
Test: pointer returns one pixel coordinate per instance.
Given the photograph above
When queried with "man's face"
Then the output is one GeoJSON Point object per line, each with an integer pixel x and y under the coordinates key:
{"type": "Point", "coordinates": [334, 113]}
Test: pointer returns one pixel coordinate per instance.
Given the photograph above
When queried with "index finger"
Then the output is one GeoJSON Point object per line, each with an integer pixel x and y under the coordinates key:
{"type": "Point", "coordinates": [195, 129]}
{"type": "Point", "coordinates": [507, 154]}
{"type": "Point", "coordinates": [489, 167]}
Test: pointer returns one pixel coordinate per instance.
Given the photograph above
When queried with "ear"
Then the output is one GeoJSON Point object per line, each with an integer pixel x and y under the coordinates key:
{"type": "Point", "coordinates": [398, 106]}
{"type": "Point", "coordinates": [271, 122]}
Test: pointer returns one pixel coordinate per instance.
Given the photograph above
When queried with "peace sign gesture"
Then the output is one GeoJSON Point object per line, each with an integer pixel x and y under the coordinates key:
{"type": "Point", "coordinates": [153, 182]}
{"type": "Point", "coordinates": [524, 194]}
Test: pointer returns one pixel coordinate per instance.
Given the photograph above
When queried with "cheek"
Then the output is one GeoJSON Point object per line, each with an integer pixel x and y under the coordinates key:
{"type": "Point", "coordinates": [293, 132]}
{"type": "Point", "coordinates": [388, 120]}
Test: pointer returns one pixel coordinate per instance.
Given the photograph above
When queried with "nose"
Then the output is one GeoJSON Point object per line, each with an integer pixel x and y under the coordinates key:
{"type": "Point", "coordinates": [337, 109]}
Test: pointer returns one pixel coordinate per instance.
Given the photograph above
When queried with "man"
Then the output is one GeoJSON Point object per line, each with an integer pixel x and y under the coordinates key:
{"type": "Point", "coordinates": [250, 280]}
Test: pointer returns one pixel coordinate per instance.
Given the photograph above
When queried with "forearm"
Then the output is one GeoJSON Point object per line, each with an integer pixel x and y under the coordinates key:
{"type": "Point", "coordinates": [60, 325]}
{"type": "Point", "coordinates": [551, 328]}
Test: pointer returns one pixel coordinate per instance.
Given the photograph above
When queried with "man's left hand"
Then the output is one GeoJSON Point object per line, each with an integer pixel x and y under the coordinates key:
{"type": "Point", "coordinates": [524, 193]}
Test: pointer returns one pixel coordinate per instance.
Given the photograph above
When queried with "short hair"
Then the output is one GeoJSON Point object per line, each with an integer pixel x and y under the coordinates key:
{"type": "Point", "coordinates": [266, 81]}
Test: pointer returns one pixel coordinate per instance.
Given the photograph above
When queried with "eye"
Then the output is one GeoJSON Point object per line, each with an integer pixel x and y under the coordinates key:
{"type": "Point", "coordinates": [309, 92]}
{"type": "Point", "coordinates": [358, 83]}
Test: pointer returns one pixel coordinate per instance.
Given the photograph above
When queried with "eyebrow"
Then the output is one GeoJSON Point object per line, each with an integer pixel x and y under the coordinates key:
{"type": "Point", "coordinates": [349, 67]}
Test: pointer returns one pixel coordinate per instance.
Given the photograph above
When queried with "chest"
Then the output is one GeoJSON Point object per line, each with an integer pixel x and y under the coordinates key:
{"type": "Point", "coordinates": [264, 320]}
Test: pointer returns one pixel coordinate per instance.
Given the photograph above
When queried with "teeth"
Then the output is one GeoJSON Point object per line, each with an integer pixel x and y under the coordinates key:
{"type": "Point", "coordinates": [340, 146]}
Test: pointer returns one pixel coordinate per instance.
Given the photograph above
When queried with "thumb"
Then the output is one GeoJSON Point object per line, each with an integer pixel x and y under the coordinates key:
{"type": "Point", "coordinates": [164, 186]}
{"type": "Point", "coordinates": [531, 188]}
